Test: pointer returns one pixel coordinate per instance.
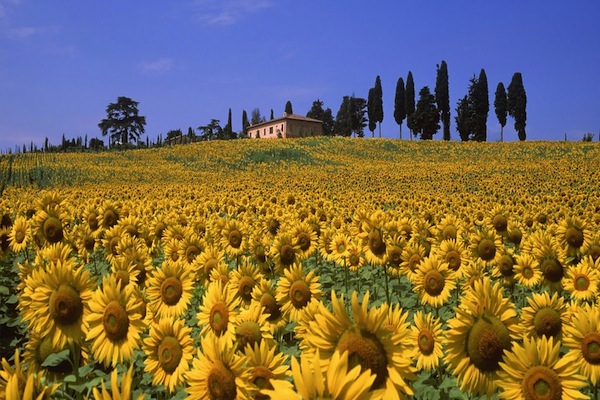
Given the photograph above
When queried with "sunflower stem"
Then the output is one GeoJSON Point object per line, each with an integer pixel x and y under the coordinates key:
{"type": "Point", "coordinates": [387, 290]}
{"type": "Point", "coordinates": [346, 275]}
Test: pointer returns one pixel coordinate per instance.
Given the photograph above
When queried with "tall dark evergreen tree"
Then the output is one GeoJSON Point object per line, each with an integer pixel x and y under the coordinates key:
{"type": "Point", "coordinates": [245, 123]}
{"type": "Point", "coordinates": [500, 107]}
{"type": "Point", "coordinates": [256, 117]}
{"type": "Point", "coordinates": [371, 111]}
{"type": "Point", "coordinates": [228, 132]}
{"type": "Point", "coordinates": [317, 112]}
{"type": "Point", "coordinates": [288, 108]}
{"type": "Point", "coordinates": [409, 102]}
{"type": "Point", "coordinates": [517, 104]}
{"type": "Point", "coordinates": [481, 107]}
{"type": "Point", "coordinates": [272, 116]}
{"type": "Point", "coordinates": [399, 101]}
{"type": "Point", "coordinates": [350, 118]}
{"type": "Point", "coordinates": [464, 118]}
{"type": "Point", "coordinates": [442, 97]}
{"type": "Point", "coordinates": [378, 103]}
{"type": "Point", "coordinates": [343, 125]}
{"type": "Point", "coordinates": [426, 117]}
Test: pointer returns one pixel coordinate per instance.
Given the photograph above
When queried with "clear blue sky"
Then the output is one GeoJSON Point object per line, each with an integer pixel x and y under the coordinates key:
{"type": "Point", "coordinates": [186, 62]}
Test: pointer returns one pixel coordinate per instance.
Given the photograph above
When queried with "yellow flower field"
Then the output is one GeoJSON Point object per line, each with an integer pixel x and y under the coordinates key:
{"type": "Point", "coordinates": [317, 268]}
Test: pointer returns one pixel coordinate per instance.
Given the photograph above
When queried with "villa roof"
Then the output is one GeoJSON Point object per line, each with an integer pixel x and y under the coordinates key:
{"type": "Point", "coordinates": [287, 117]}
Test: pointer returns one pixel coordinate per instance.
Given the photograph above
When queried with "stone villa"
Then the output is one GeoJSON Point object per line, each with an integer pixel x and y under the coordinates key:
{"type": "Point", "coordinates": [288, 126]}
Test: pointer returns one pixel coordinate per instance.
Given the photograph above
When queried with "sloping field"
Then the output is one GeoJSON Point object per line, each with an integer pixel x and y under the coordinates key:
{"type": "Point", "coordinates": [428, 270]}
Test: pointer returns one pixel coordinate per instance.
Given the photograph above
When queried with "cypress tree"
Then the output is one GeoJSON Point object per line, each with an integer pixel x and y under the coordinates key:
{"type": "Point", "coordinates": [371, 112]}
{"type": "Point", "coordinates": [409, 101]}
{"type": "Point", "coordinates": [517, 104]}
{"type": "Point", "coordinates": [426, 117]}
{"type": "Point", "coordinates": [500, 107]}
{"type": "Point", "coordinates": [399, 100]}
{"type": "Point", "coordinates": [378, 102]}
{"type": "Point", "coordinates": [442, 97]}
{"type": "Point", "coordinates": [481, 107]}
{"type": "Point", "coordinates": [288, 108]}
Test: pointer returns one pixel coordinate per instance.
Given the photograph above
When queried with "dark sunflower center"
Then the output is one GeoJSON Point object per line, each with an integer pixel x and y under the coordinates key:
{"type": "Point", "coordinates": [499, 222]}
{"type": "Point", "coordinates": [248, 332]}
{"type": "Point", "coordinates": [486, 341]}
{"type": "Point", "coordinates": [159, 229]}
{"type": "Point", "coordinates": [92, 221]}
{"type": "Point", "coordinates": [449, 232]}
{"type": "Point", "coordinates": [433, 282]}
{"type": "Point", "coordinates": [574, 237]}
{"type": "Point", "coordinates": [171, 290]}
{"type": "Point", "coordinates": [115, 321]}
{"type": "Point", "coordinates": [273, 226]}
{"type": "Point", "coordinates": [261, 378]}
{"type": "Point", "coordinates": [590, 348]}
{"type": "Point", "coordinates": [581, 283]}
{"type": "Point", "coordinates": [341, 247]}
{"type": "Point", "coordinates": [131, 230]}
{"type": "Point", "coordinates": [219, 318]}
{"type": "Point", "coordinates": [594, 252]}
{"type": "Point", "coordinates": [547, 322]}
{"type": "Point", "coordinates": [191, 252]}
{"type": "Point", "coordinates": [299, 294]}
{"type": "Point", "coordinates": [122, 276]}
{"type": "Point", "coordinates": [413, 262]}
{"type": "Point", "coordinates": [376, 244]}
{"type": "Point", "coordinates": [19, 236]}
{"type": "Point", "coordinates": [541, 383]}
{"type": "Point", "coordinates": [110, 218]}
{"type": "Point", "coordinates": [53, 230]}
{"type": "Point", "coordinates": [4, 242]}
{"type": "Point", "coordinates": [366, 350]}
{"type": "Point", "coordinates": [65, 305]}
{"type": "Point", "coordinates": [209, 265]}
{"type": "Point", "coordinates": [527, 272]}
{"type": "Point", "coordinates": [406, 229]}
{"type": "Point", "coordinates": [395, 256]}
{"type": "Point", "coordinates": [287, 254]}
{"type": "Point", "coordinates": [354, 260]}
{"type": "Point", "coordinates": [552, 270]}
{"type": "Point", "coordinates": [235, 238]}
{"type": "Point", "coordinates": [303, 241]}
{"type": "Point", "coordinates": [453, 259]}
{"type": "Point", "coordinates": [486, 249]}
{"type": "Point", "coordinates": [169, 354]}
{"type": "Point", "coordinates": [426, 341]}
{"type": "Point", "coordinates": [505, 265]}
{"type": "Point", "coordinates": [89, 243]}
{"type": "Point", "coordinates": [221, 382]}
{"type": "Point", "coordinates": [112, 245]}
{"type": "Point", "coordinates": [271, 306]}
{"type": "Point", "coordinates": [246, 285]}
{"type": "Point", "coordinates": [515, 236]}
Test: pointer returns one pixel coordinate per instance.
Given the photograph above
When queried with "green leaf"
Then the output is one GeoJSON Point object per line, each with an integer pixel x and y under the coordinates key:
{"type": "Point", "coordinates": [4, 290]}
{"type": "Point", "coordinates": [448, 383]}
{"type": "Point", "coordinates": [54, 359]}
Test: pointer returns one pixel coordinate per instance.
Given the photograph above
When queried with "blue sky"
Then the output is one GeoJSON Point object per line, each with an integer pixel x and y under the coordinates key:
{"type": "Point", "coordinates": [186, 62]}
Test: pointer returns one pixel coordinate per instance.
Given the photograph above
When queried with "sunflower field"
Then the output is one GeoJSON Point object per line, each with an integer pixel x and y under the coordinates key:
{"type": "Point", "coordinates": [316, 268]}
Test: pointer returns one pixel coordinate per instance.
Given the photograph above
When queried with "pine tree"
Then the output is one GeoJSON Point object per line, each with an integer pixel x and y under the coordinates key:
{"type": "Point", "coordinates": [399, 101]}
{"type": "Point", "coordinates": [426, 117]}
{"type": "Point", "coordinates": [442, 97]}
{"type": "Point", "coordinates": [409, 102]}
{"type": "Point", "coordinates": [517, 104]}
{"type": "Point", "coordinates": [500, 107]}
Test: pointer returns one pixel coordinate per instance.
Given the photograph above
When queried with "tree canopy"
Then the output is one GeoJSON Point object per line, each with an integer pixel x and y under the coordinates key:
{"type": "Point", "coordinates": [123, 122]}
{"type": "Point", "coordinates": [399, 104]}
{"type": "Point", "coordinates": [517, 104]}
{"type": "Point", "coordinates": [442, 97]}
{"type": "Point", "coordinates": [500, 107]}
{"type": "Point", "coordinates": [426, 117]}
{"type": "Point", "coordinates": [409, 102]}
{"type": "Point", "coordinates": [288, 108]}
{"type": "Point", "coordinates": [317, 112]}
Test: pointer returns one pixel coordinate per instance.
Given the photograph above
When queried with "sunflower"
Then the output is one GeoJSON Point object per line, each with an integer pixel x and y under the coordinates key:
{"type": "Point", "coordinates": [536, 371]}
{"type": "Point", "coordinates": [4, 242]}
{"type": "Point", "coordinates": [582, 338]}
{"type": "Point", "coordinates": [367, 339]}
{"type": "Point", "coordinates": [593, 247]}
{"type": "Point", "coordinates": [545, 316]}
{"type": "Point", "coordinates": [265, 294]}
{"type": "Point", "coordinates": [243, 280]}
{"type": "Point", "coordinates": [220, 273]}
{"type": "Point", "coordinates": [505, 267]}
{"type": "Point", "coordinates": [49, 226]}
{"type": "Point", "coordinates": [433, 282]}
{"type": "Point", "coordinates": [266, 365]}
{"type": "Point", "coordinates": [296, 289]}
{"type": "Point", "coordinates": [497, 220]}
{"type": "Point", "coordinates": [259, 251]}
{"type": "Point", "coordinates": [190, 248]}
{"type": "Point", "coordinates": [582, 281]}
{"type": "Point", "coordinates": [338, 248]}
{"type": "Point", "coordinates": [552, 260]}
{"type": "Point", "coordinates": [117, 391]}
{"type": "Point", "coordinates": [450, 228]}
{"type": "Point", "coordinates": [375, 246]}
{"type": "Point", "coordinates": [573, 235]}
{"type": "Point", "coordinates": [91, 216]}
{"type": "Point", "coordinates": [20, 234]}
{"type": "Point", "coordinates": [38, 349]}
{"type": "Point", "coordinates": [394, 246]}
{"type": "Point", "coordinates": [169, 350]}
{"type": "Point", "coordinates": [51, 199]}
{"type": "Point", "coordinates": [252, 326]}
{"type": "Point", "coordinates": [170, 289]}
{"type": "Point", "coordinates": [285, 253]}
{"type": "Point", "coordinates": [486, 246]}
{"type": "Point", "coordinates": [356, 257]}
{"type": "Point", "coordinates": [114, 323]}
{"type": "Point", "coordinates": [305, 238]}
{"type": "Point", "coordinates": [219, 310]}
{"type": "Point", "coordinates": [527, 270]}
{"type": "Point", "coordinates": [455, 253]}
{"type": "Point", "coordinates": [109, 214]}
{"type": "Point", "coordinates": [58, 302]}
{"type": "Point", "coordinates": [234, 238]}
{"type": "Point", "coordinates": [53, 254]}
{"type": "Point", "coordinates": [324, 243]}
{"type": "Point", "coordinates": [17, 383]}
{"type": "Point", "coordinates": [110, 241]}
{"type": "Point", "coordinates": [426, 334]}
{"type": "Point", "coordinates": [134, 250]}
{"type": "Point", "coordinates": [304, 318]}
{"type": "Point", "coordinates": [412, 255]}
{"type": "Point", "coordinates": [125, 271]}
{"type": "Point", "coordinates": [218, 372]}
{"type": "Point", "coordinates": [341, 381]}
{"type": "Point", "coordinates": [484, 326]}
{"type": "Point", "coordinates": [85, 242]}
{"type": "Point", "coordinates": [209, 259]}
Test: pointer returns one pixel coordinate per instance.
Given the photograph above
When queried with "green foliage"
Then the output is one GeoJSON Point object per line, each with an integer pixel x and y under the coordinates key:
{"type": "Point", "coordinates": [409, 102]}
{"type": "Point", "coordinates": [500, 107]}
{"type": "Point", "coordinates": [288, 108]}
{"type": "Point", "coordinates": [588, 137]}
{"type": "Point", "coordinates": [481, 107]}
{"type": "Point", "coordinates": [442, 97]}
{"type": "Point", "coordinates": [123, 121]}
{"type": "Point", "coordinates": [426, 117]}
{"type": "Point", "coordinates": [517, 104]}
{"type": "Point", "coordinates": [399, 104]}
{"type": "Point", "coordinates": [317, 112]}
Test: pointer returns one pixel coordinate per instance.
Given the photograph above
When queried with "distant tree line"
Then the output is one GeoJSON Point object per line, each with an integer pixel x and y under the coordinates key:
{"type": "Point", "coordinates": [424, 116]}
